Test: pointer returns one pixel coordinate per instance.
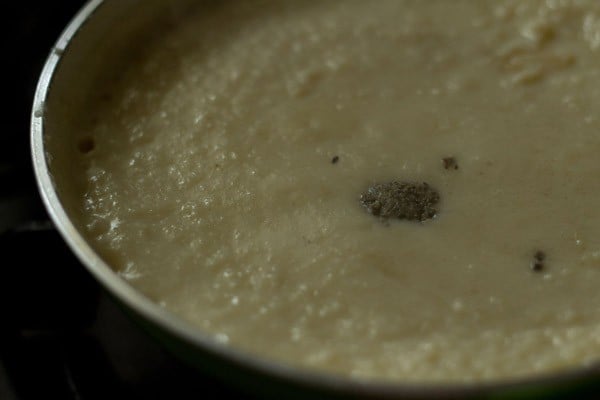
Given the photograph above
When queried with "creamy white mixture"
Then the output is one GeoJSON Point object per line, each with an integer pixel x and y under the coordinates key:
{"type": "Point", "coordinates": [211, 187]}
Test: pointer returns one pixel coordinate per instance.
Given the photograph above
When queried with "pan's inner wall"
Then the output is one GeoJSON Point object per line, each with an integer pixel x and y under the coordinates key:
{"type": "Point", "coordinates": [96, 57]}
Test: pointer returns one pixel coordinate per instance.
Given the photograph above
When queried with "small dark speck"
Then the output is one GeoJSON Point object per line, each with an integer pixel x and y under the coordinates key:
{"type": "Point", "coordinates": [537, 266]}
{"type": "Point", "coordinates": [217, 166]}
{"type": "Point", "coordinates": [335, 159]}
{"type": "Point", "coordinates": [450, 163]}
{"type": "Point", "coordinates": [86, 145]}
{"type": "Point", "coordinates": [539, 255]}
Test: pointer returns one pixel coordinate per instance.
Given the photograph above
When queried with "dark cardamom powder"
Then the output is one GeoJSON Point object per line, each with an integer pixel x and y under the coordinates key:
{"type": "Point", "coordinates": [412, 201]}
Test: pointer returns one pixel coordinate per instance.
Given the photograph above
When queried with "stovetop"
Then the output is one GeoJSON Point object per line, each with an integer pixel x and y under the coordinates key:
{"type": "Point", "coordinates": [61, 336]}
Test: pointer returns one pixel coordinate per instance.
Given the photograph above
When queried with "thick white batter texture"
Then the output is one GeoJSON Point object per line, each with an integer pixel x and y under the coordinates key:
{"type": "Point", "coordinates": [211, 186]}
